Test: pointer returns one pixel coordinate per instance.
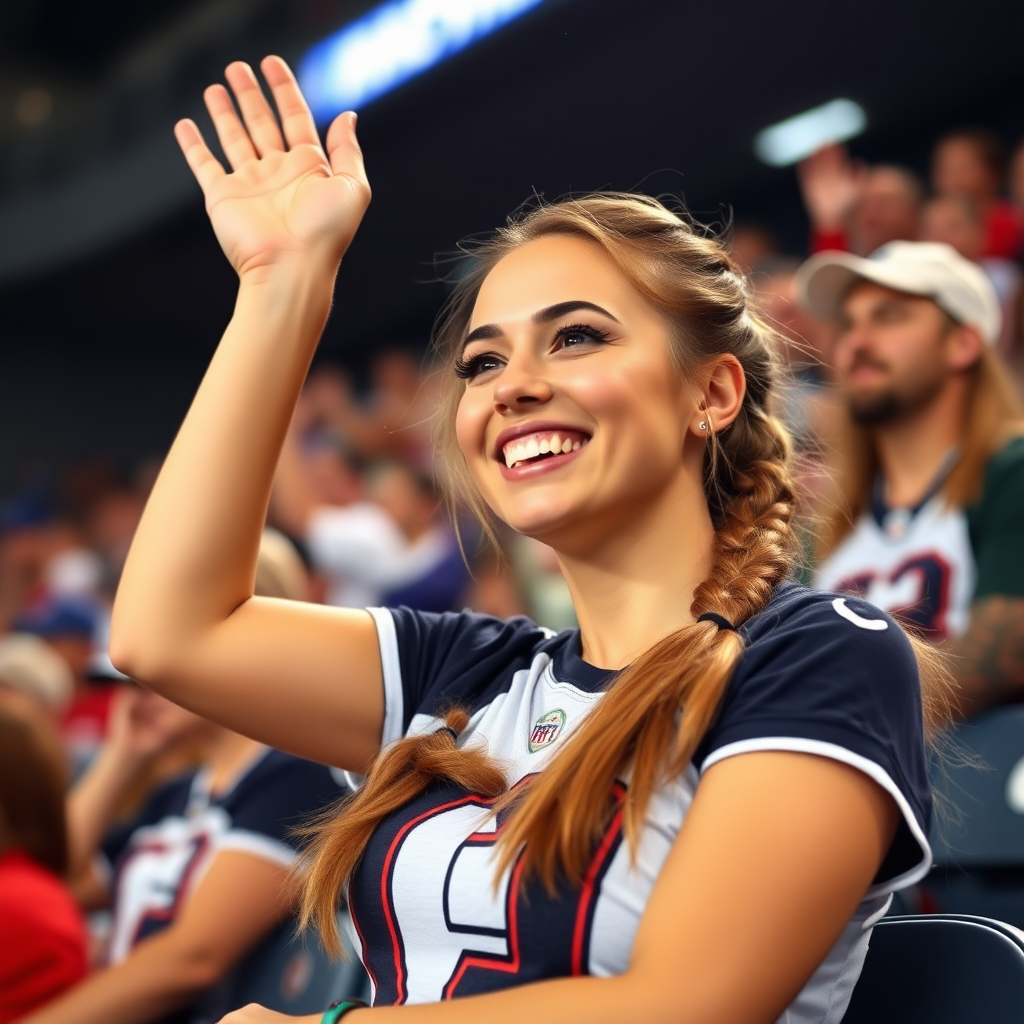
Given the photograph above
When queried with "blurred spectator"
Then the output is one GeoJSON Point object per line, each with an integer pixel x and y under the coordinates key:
{"type": "Point", "coordinates": [929, 470]}
{"type": "Point", "coordinates": [198, 877]}
{"type": "Point", "coordinates": [971, 163]}
{"type": "Point", "coordinates": [319, 498]}
{"type": "Point", "coordinates": [43, 938]}
{"type": "Point", "coordinates": [856, 208]}
{"type": "Point", "coordinates": [806, 352]}
{"type": "Point", "coordinates": [394, 420]}
{"type": "Point", "coordinates": [431, 574]}
{"type": "Point", "coordinates": [750, 245]}
{"type": "Point", "coordinates": [957, 221]}
{"type": "Point", "coordinates": [382, 542]}
{"type": "Point", "coordinates": [1017, 192]}
{"type": "Point", "coordinates": [70, 626]}
{"type": "Point", "coordinates": [30, 666]}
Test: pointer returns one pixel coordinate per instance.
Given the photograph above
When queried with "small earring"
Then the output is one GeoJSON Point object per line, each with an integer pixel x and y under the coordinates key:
{"type": "Point", "coordinates": [702, 425]}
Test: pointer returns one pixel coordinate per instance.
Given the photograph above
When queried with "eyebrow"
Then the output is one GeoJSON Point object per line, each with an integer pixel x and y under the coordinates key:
{"type": "Point", "coordinates": [487, 332]}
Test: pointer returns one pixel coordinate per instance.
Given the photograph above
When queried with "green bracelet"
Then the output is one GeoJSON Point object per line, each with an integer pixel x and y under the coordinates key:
{"type": "Point", "coordinates": [337, 1010]}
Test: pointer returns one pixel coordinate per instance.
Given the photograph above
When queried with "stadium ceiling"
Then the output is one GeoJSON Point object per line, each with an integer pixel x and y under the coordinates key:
{"type": "Point", "coordinates": [97, 207]}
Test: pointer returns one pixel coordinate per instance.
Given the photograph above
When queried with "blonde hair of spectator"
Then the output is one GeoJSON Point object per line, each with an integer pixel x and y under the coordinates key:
{"type": "Point", "coordinates": [993, 414]}
{"type": "Point", "coordinates": [279, 569]}
{"type": "Point", "coordinates": [31, 666]}
{"type": "Point", "coordinates": [658, 709]}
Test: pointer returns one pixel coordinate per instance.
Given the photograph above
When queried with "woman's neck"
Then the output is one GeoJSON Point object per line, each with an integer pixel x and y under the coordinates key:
{"type": "Point", "coordinates": [637, 587]}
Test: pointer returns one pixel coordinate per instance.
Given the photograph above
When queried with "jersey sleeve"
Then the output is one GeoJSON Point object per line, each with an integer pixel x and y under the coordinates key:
{"type": "Point", "coordinates": [434, 660]}
{"type": "Point", "coordinates": [995, 526]}
{"type": "Point", "coordinates": [835, 677]}
{"type": "Point", "coordinates": [283, 793]}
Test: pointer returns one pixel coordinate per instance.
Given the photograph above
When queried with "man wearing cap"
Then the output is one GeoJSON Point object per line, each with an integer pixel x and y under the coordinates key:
{"type": "Point", "coordinates": [928, 467]}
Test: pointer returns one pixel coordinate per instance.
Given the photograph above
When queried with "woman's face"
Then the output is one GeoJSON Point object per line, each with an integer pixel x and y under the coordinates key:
{"type": "Point", "coordinates": [563, 353]}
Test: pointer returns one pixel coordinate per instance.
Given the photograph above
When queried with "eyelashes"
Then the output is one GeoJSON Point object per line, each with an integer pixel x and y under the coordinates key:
{"type": "Point", "coordinates": [467, 369]}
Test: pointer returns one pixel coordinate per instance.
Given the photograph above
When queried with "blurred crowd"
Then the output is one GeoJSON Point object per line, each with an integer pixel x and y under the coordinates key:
{"type": "Point", "coordinates": [357, 520]}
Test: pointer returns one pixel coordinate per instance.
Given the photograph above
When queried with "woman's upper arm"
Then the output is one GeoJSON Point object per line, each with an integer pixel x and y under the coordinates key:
{"type": "Point", "coordinates": [300, 677]}
{"type": "Point", "coordinates": [775, 854]}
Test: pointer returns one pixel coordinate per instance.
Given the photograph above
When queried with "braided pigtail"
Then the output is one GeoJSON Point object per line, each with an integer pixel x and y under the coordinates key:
{"type": "Point", "coordinates": [401, 772]}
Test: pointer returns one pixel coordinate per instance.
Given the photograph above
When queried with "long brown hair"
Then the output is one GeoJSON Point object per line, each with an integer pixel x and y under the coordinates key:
{"type": "Point", "coordinates": [993, 413]}
{"type": "Point", "coordinates": [33, 780]}
{"type": "Point", "coordinates": [657, 710]}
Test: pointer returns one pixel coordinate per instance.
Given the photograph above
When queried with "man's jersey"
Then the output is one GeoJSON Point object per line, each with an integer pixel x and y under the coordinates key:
{"type": "Point", "coordinates": [929, 563]}
{"type": "Point", "coordinates": [821, 675]}
{"type": "Point", "coordinates": [159, 857]}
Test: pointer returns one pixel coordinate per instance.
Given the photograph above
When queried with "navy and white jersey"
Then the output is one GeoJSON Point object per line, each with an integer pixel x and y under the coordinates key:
{"type": "Point", "coordinates": [929, 563]}
{"type": "Point", "coordinates": [159, 857]}
{"type": "Point", "coordinates": [822, 675]}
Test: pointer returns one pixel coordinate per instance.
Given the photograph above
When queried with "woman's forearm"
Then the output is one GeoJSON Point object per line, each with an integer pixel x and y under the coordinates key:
{"type": "Point", "coordinates": [158, 977]}
{"type": "Point", "coordinates": [93, 802]}
{"type": "Point", "coordinates": [193, 558]}
{"type": "Point", "coordinates": [590, 1000]}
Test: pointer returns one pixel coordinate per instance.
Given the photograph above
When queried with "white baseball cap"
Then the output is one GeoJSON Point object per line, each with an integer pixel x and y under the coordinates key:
{"type": "Point", "coordinates": [931, 269]}
{"type": "Point", "coordinates": [32, 666]}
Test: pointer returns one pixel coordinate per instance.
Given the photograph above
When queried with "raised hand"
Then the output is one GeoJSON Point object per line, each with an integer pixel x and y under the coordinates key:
{"type": "Point", "coordinates": [831, 184]}
{"type": "Point", "coordinates": [285, 197]}
{"type": "Point", "coordinates": [143, 725]}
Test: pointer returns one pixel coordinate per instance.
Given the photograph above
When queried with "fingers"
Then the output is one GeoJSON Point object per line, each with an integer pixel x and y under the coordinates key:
{"type": "Point", "coordinates": [260, 122]}
{"type": "Point", "coordinates": [296, 119]}
{"type": "Point", "coordinates": [234, 139]}
{"type": "Point", "coordinates": [343, 148]}
{"type": "Point", "coordinates": [204, 164]}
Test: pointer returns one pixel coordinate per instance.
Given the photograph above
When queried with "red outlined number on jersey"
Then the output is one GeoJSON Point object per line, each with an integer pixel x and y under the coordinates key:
{"type": "Point", "coordinates": [443, 858]}
{"type": "Point", "coordinates": [917, 591]}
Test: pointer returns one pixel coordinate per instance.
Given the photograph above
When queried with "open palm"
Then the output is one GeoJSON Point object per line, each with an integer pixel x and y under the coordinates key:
{"type": "Point", "coordinates": [285, 196]}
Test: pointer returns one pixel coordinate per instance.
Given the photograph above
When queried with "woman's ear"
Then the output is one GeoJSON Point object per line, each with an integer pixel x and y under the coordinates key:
{"type": "Point", "coordinates": [721, 398]}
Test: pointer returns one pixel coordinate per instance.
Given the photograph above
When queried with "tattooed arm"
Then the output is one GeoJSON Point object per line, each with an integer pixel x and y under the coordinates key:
{"type": "Point", "coordinates": [988, 660]}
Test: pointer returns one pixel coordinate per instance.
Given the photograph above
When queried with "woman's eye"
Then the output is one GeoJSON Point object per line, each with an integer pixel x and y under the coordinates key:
{"type": "Point", "coordinates": [580, 334]}
{"type": "Point", "coordinates": [468, 369]}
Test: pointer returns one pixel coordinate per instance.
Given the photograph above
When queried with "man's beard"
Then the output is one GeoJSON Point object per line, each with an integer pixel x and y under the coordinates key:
{"type": "Point", "coordinates": [889, 406]}
{"type": "Point", "coordinates": [874, 410]}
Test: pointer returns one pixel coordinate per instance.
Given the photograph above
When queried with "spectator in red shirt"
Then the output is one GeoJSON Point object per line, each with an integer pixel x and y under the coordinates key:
{"type": "Point", "coordinates": [972, 163]}
{"type": "Point", "coordinates": [857, 208]}
{"type": "Point", "coordinates": [43, 943]}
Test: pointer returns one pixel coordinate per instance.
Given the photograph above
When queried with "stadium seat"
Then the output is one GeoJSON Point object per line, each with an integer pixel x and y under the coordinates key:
{"type": "Point", "coordinates": [288, 973]}
{"type": "Point", "coordinates": [979, 843]}
{"type": "Point", "coordinates": [941, 969]}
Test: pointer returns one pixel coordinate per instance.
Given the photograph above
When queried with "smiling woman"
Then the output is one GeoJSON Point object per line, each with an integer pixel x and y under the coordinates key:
{"type": "Point", "coordinates": [691, 808]}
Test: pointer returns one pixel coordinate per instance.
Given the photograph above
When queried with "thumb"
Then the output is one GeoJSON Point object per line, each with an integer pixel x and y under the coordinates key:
{"type": "Point", "coordinates": [343, 148]}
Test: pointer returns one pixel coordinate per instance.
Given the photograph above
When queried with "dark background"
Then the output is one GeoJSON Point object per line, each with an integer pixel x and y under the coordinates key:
{"type": "Point", "coordinates": [113, 291]}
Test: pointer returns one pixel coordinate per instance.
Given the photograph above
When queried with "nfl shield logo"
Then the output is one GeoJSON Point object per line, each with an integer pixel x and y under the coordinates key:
{"type": "Point", "coordinates": [546, 729]}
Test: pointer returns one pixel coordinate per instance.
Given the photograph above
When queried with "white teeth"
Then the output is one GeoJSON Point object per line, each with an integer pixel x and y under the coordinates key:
{"type": "Point", "coordinates": [523, 449]}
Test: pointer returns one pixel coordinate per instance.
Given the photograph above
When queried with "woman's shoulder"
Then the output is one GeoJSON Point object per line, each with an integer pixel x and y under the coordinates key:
{"type": "Point", "coordinates": [824, 657]}
{"type": "Point", "coordinates": [798, 616]}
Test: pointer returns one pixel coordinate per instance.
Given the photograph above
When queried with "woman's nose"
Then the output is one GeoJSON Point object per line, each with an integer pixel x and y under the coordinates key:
{"type": "Point", "coordinates": [519, 386]}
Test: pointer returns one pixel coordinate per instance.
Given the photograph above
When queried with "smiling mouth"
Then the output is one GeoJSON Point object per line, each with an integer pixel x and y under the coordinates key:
{"type": "Point", "coordinates": [542, 445]}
